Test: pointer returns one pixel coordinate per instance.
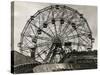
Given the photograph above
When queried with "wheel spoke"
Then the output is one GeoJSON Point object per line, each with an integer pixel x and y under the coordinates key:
{"type": "Point", "coordinates": [25, 47]}
{"type": "Point", "coordinates": [42, 30]}
{"type": "Point", "coordinates": [48, 15]}
{"type": "Point", "coordinates": [64, 29]}
{"type": "Point", "coordinates": [84, 40]}
{"type": "Point", "coordinates": [60, 26]}
{"type": "Point", "coordinates": [32, 30]}
{"type": "Point", "coordinates": [71, 30]}
{"type": "Point", "coordinates": [55, 29]}
{"type": "Point", "coordinates": [51, 30]}
{"type": "Point", "coordinates": [43, 38]}
{"type": "Point", "coordinates": [66, 34]}
{"type": "Point", "coordinates": [83, 30]}
{"type": "Point", "coordinates": [38, 55]}
{"type": "Point", "coordinates": [80, 44]}
{"type": "Point", "coordinates": [54, 23]}
{"type": "Point", "coordinates": [41, 52]}
{"type": "Point", "coordinates": [43, 44]}
{"type": "Point", "coordinates": [75, 36]}
{"type": "Point", "coordinates": [49, 54]}
{"type": "Point", "coordinates": [29, 41]}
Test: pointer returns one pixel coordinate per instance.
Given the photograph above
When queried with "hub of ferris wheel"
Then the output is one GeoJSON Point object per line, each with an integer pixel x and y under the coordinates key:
{"type": "Point", "coordinates": [54, 31]}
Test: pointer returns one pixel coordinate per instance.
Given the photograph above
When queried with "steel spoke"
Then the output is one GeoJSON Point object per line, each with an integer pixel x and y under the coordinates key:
{"type": "Point", "coordinates": [42, 30]}
{"type": "Point", "coordinates": [54, 23]}
{"type": "Point", "coordinates": [29, 41]}
{"type": "Point", "coordinates": [41, 52]}
{"type": "Point", "coordinates": [84, 40]}
{"type": "Point", "coordinates": [48, 15]}
{"type": "Point", "coordinates": [43, 44]}
{"type": "Point", "coordinates": [43, 38]}
{"type": "Point", "coordinates": [60, 26]}
{"type": "Point", "coordinates": [83, 30]}
{"type": "Point", "coordinates": [32, 30]}
{"type": "Point", "coordinates": [80, 44]}
{"type": "Point", "coordinates": [64, 29]}
{"type": "Point", "coordinates": [76, 36]}
{"type": "Point", "coordinates": [51, 30]}
{"type": "Point", "coordinates": [71, 30]}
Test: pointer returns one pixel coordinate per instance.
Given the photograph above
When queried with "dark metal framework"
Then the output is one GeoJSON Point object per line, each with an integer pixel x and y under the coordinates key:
{"type": "Point", "coordinates": [54, 31]}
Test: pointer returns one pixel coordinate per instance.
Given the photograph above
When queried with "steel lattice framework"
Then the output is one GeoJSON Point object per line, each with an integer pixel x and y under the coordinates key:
{"type": "Point", "coordinates": [54, 31]}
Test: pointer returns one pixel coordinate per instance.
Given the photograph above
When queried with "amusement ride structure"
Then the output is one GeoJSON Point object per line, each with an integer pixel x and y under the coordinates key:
{"type": "Point", "coordinates": [52, 32]}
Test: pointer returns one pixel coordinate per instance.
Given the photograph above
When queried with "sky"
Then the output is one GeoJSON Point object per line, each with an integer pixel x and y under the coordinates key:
{"type": "Point", "coordinates": [23, 11]}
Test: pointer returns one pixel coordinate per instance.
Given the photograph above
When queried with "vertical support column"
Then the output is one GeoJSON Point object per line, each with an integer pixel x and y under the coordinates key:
{"type": "Point", "coordinates": [33, 53]}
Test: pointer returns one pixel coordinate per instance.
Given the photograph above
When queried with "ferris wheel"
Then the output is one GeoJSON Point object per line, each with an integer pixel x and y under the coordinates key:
{"type": "Point", "coordinates": [54, 31]}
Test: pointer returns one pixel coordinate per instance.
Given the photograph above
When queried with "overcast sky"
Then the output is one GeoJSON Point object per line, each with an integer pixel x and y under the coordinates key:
{"type": "Point", "coordinates": [23, 11]}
